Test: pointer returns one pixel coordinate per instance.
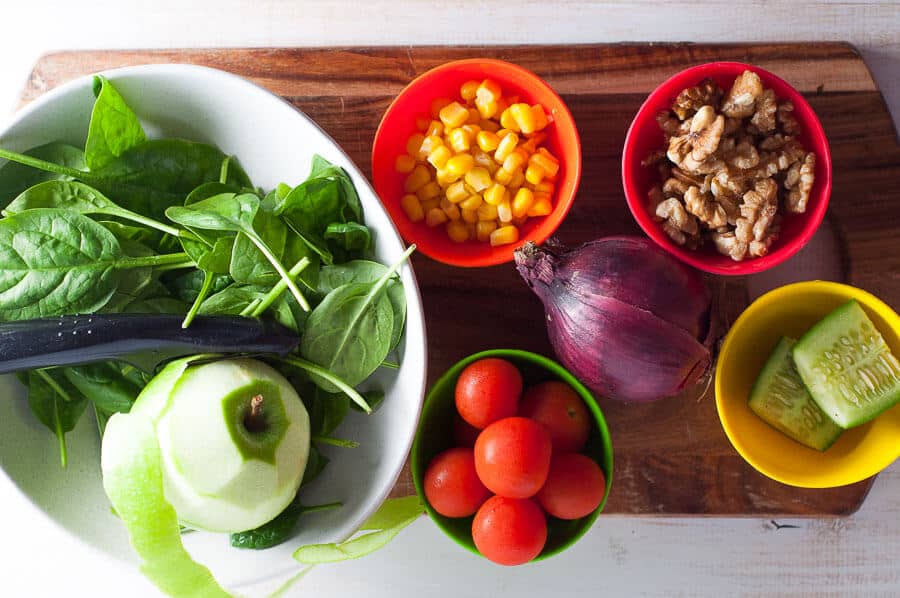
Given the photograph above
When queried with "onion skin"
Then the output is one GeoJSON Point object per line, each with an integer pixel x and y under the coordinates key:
{"type": "Point", "coordinates": [622, 315]}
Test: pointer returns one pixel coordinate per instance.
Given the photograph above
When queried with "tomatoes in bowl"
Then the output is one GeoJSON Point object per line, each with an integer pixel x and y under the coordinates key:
{"type": "Point", "coordinates": [488, 390]}
{"type": "Point", "coordinates": [451, 484]}
{"type": "Point", "coordinates": [512, 457]}
{"type": "Point", "coordinates": [559, 408]}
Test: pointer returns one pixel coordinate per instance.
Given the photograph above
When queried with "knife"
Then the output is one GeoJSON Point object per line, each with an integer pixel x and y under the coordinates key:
{"type": "Point", "coordinates": [143, 340]}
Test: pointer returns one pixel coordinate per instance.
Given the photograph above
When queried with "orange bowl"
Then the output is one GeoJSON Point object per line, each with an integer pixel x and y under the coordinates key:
{"type": "Point", "coordinates": [399, 122]}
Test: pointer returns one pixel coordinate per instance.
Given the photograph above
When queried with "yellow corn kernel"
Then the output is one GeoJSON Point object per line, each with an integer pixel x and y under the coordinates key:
{"type": "Point", "coordinates": [522, 116]}
{"type": "Point", "coordinates": [506, 147]}
{"type": "Point", "coordinates": [469, 216]}
{"type": "Point", "coordinates": [468, 89]}
{"type": "Point", "coordinates": [487, 212]}
{"type": "Point", "coordinates": [470, 227]}
{"type": "Point", "coordinates": [534, 174]}
{"type": "Point", "coordinates": [487, 109]}
{"type": "Point", "coordinates": [540, 117]}
{"type": "Point", "coordinates": [518, 179]}
{"type": "Point", "coordinates": [513, 162]}
{"type": "Point", "coordinates": [404, 164]}
{"type": "Point", "coordinates": [414, 143]}
{"type": "Point", "coordinates": [508, 122]}
{"type": "Point", "coordinates": [545, 187]}
{"type": "Point", "coordinates": [545, 162]}
{"type": "Point", "coordinates": [485, 161]}
{"type": "Point", "coordinates": [504, 210]}
{"type": "Point", "coordinates": [450, 209]}
{"type": "Point", "coordinates": [430, 204]}
{"type": "Point", "coordinates": [487, 141]}
{"type": "Point", "coordinates": [437, 105]}
{"type": "Point", "coordinates": [457, 231]}
{"type": "Point", "coordinates": [428, 190]}
{"type": "Point", "coordinates": [460, 164]}
{"type": "Point", "coordinates": [413, 207]}
{"type": "Point", "coordinates": [422, 123]}
{"type": "Point", "coordinates": [489, 125]}
{"type": "Point", "coordinates": [444, 177]}
{"type": "Point", "coordinates": [503, 176]}
{"type": "Point", "coordinates": [454, 115]}
{"type": "Point", "coordinates": [435, 217]}
{"type": "Point", "coordinates": [494, 194]}
{"type": "Point", "coordinates": [472, 130]}
{"type": "Point", "coordinates": [483, 230]}
{"type": "Point", "coordinates": [521, 202]}
{"type": "Point", "coordinates": [504, 235]}
{"type": "Point", "coordinates": [474, 117]}
{"type": "Point", "coordinates": [456, 192]}
{"type": "Point", "coordinates": [487, 96]}
{"type": "Point", "coordinates": [439, 156]}
{"type": "Point", "coordinates": [473, 202]}
{"type": "Point", "coordinates": [501, 133]}
{"type": "Point", "coordinates": [479, 179]}
{"type": "Point", "coordinates": [435, 127]}
{"type": "Point", "coordinates": [429, 144]}
{"type": "Point", "coordinates": [417, 179]}
{"type": "Point", "coordinates": [460, 140]}
{"type": "Point", "coordinates": [540, 207]}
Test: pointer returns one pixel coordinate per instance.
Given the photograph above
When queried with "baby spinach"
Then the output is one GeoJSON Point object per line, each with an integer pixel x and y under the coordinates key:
{"type": "Point", "coordinates": [105, 385]}
{"type": "Point", "coordinates": [55, 262]}
{"type": "Point", "coordinates": [349, 237]}
{"type": "Point", "coordinates": [114, 127]}
{"type": "Point", "coordinates": [56, 404]}
{"type": "Point", "coordinates": [232, 300]}
{"type": "Point", "coordinates": [351, 331]}
{"type": "Point", "coordinates": [279, 529]}
{"type": "Point", "coordinates": [235, 213]}
{"type": "Point", "coordinates": [248, 264]}
{"type": "Point", "coordinates": [16, 177]}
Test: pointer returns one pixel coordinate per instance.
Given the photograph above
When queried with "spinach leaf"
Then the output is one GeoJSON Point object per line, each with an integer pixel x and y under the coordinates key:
{"type": "Point", "coordinates": [114, 127]}
{"type": "Point", "coordinates": [279, 529]}
{"type": "Point", "coordinates": [213, 254]}
{"type": "Point", "coordinates": [159, 242]}
{"type": "Point", "coordinates": [232, 300]}
{"type": "Point", "coordinates": [105, 385]}
{"type": "Point", "coordinates": [248, 264]}
{"type": "Point", "coordinates": [56, 404]}
{"type": "Point", "coordinates": [81, 198]}
{"type": "Point", "coordinates": [235, 213]}
{"type": "Point", "coordinates": [207, 190]}
{"type": "Point", "coordinates": [132, 282]}
{"type": "Point", "coordinates": [287, 313]}
{"type": "Point", "coordinates": [295, 249]}
{"type": "Point", "coordinates": [157, 305]}
{"type": "Point", "coordinates": [160, 173]}
{"type": "Point", "coordinates": [16, 177]}
{"type": "Point", "coordinates": [373, 397]}
{"type": "Point", "coordinates": [55, 262]}
{"type": "Point", "coordinates": [186, 286]}
{"type": "Point", "coordinates": [326, 411]}
{"type": "Point", "coordinates": [349, 236]}
{"type": "Point", "coordinates": [365, 271]}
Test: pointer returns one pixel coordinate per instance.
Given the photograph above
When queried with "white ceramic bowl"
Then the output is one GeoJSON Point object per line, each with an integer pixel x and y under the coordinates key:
{"type": "Point", "coordinates": [274, 142]}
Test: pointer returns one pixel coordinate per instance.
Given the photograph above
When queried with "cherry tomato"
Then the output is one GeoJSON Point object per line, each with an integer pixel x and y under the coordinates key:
{"type": "Point", "coordinates": [509, 531]}
{"type": "Point", "coordinates": [464, 433]}
{"type": "Point", "coordinates": [488, 390]}
{"type": "Point", "coordinates": [451, 484]}
{"type": "Point", "coordinates": [512, 457]}
{"type": "Point", "coordinates": [574, 488]}
{"type": "Point", "coordinates": [556, 405]}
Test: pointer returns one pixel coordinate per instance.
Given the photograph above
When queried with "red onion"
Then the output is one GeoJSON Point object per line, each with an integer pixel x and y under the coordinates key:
{"type": "Point", "coordinates": [623, 316]}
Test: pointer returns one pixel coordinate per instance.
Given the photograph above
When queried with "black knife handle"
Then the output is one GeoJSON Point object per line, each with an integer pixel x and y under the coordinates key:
{"type": "Point", "coordinates": [72, 340]}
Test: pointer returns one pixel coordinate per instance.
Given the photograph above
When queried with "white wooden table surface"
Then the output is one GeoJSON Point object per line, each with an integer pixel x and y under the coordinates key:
{"type": "Point", "coordinates": [621, 556]}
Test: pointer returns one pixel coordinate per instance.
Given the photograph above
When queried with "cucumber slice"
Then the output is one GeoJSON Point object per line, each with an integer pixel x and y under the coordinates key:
{"type": "Point", "coordinates": [133, 479]}
{"type": "Point", "coordinates": [782, 401]}
{"type": "Point", "coordinates": [847, 367]}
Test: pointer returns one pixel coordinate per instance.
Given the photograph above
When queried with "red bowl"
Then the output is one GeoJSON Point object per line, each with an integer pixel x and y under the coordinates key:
{"type": "Point", "coordinates": [645, 136]}
{"type": "Point", "coordinates": [399, 122]}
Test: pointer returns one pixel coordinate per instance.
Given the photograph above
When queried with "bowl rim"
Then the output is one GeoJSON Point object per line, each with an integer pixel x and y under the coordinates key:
{"type": "Point", "coordinates": [561, 208]}
{"type": "Point", "coordinates": [417, 467]}
{"type": "Point", "coordinates": [85, 81]}
{"type": "Point", "coordinates": [697, 259]}
{"type": "Point", "coordinates": [846, 293]}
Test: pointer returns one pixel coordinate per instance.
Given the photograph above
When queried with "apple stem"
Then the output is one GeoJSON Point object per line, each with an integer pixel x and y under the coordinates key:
{"type": "Point", "coordinates": [254, 420]}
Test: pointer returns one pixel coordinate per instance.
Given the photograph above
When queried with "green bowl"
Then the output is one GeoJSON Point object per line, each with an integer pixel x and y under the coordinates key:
{"type": "Point", "coordinates": [435, 434]}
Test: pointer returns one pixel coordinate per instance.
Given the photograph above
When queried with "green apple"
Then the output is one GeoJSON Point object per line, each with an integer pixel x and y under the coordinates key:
{"type": "Point", "coordinates": [234, 440]}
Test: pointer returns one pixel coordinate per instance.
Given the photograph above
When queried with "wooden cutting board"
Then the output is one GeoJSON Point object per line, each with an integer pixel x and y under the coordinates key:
{"type": "Point", "coordinates": [671, 457]}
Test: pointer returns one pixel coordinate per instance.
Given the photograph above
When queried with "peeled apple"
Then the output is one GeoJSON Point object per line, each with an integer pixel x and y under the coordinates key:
{"type": "Point", "coordinates": [233, 439]}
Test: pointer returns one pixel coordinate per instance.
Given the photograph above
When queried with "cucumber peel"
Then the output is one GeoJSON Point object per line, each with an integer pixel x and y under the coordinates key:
{"type": "Point", "coordinates": [131, 462]}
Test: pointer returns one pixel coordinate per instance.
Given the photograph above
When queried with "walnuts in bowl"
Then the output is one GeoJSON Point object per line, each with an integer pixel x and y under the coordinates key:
{"type": "Point", "coordinates": [732, 162]}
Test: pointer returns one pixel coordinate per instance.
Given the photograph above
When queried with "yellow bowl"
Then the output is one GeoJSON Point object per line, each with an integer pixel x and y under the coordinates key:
{"type": "Point", "coordinates": [790, 311]}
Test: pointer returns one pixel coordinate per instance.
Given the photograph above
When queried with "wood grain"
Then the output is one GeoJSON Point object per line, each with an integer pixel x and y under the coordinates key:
{"type": "Point", "coordinates": [671, 457]}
